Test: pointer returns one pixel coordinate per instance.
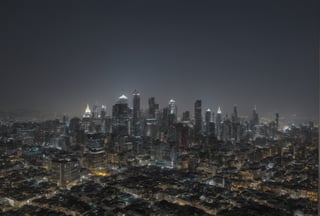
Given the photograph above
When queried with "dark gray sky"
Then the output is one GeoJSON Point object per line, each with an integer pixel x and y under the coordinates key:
{"type": "Point", "coordinates": [60, 55]}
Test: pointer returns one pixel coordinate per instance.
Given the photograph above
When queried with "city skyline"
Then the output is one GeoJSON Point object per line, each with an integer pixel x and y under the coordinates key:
{"type": "Point", "coordinates": [225, 111]}
{"type": "Point", "coordinates": [39, 115]}
{"type": "Point", "coordinates": [168, 107]}
{"type": "Point", "coordinates": [60, 56]}
{"type": "Point", "coordinates": [130, 102]}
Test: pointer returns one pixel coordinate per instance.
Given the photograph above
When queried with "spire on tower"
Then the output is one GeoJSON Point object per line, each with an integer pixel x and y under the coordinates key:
{"type": "Point", "coordinates": [88, 110]}
{"type": "Point", "coordinates": [219, 111]}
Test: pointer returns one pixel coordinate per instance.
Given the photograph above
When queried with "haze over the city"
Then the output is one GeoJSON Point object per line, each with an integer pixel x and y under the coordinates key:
{"type": "Point", "coordinates": [61, 55]}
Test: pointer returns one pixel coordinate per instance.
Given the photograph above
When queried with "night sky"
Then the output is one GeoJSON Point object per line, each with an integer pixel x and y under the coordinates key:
{"type": "Point", "coordinates": [61, 55]}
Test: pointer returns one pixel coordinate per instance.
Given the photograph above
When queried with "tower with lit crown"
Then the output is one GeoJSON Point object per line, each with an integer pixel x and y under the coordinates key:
{"type": "Point", "coordinates": [173, 111]}
{"type": "Point", "coordinates": [197, 118]}
{"type": "Point", "coordinates": [136, 113]}
{"type": "Point", "coordinates": [208, 120]}
{"type": "Point", "coordinates": [87, 112]}
{"type": "Point", "coordinates": [172, 120]}
{"type": "Point", "coordinates": [86, 119]}
{"type": "Point", "coordinates": [219, 123]}
{"type": "Point", "coordinates": [120, 117]}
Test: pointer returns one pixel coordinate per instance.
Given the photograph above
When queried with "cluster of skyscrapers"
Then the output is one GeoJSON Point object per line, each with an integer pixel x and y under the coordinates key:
{"type": "Point", "coordinates": [165, 125]}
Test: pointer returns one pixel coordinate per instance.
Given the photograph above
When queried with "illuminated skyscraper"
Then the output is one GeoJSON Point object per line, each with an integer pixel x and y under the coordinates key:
{"type": "Point", "coordinates": [208, 120]}
{"type": "Point", "coordinates": [86, 119]}
{"type": "Point", "coordinates": [219, 123]}
{"type": "Point", "coordinates": [172, 120]}
{"type": "Point", "coordinates": [235, 122]}
{"type": "Point", "coordinates": [87, 112]}
{"type": "Point", "coordinates": [173, 111]}
{"type": "Point", "coordinates": [120, 117]}
{"type": "Point", "coordinates": [226, 129]}
{"type": "Point", "coordinates": [212, 126]}
{"type": "Point", "coordinates": [136, 113]}
{"type": "Point", "coordinates": [235, 114]}
{"type": "Point", "coordinates": [172, 107]}
{"type": "Point", "coordinates": [197, 118]}
{"type": "Point", "coordinates": [136, 104]}
{"type": "Point", "coordinates": [254, 119]}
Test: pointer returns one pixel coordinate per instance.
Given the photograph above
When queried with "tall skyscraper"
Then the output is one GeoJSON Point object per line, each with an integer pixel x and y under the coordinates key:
{"type": "Point", "coordinates": [219, 123]}
{"type": "Point", "coordinates": [235, 114]}
{"type": "Point", "coordinates": [172, 120]}
{"type": "Point", "coordinates": [136, 104]}
{"type": "Point", "coordinates": [197, 117]}
{"type": "Point", "coordinates": [208, 120]}
{"type": "Point", "coordinates": [172, 107]}
{"type": "Point", "coordinates": [86, 119]}
{"type": "Point", "coordinates": [136, 113]}
{"type": "Point", "coordinates": [173, 112]}
{"type": "Point", "coordinates": [226, 129]}
{"type": "Point", "coordinates": [87, 112]}
{"type": "Point", "coordinates": [212, 126]}
{"type": "Point", "coordinates": [120, 116]}
{"type": "Point", "coordinates": [235, 125]}
{"type": "Point", "coordinates": [254, 119]}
